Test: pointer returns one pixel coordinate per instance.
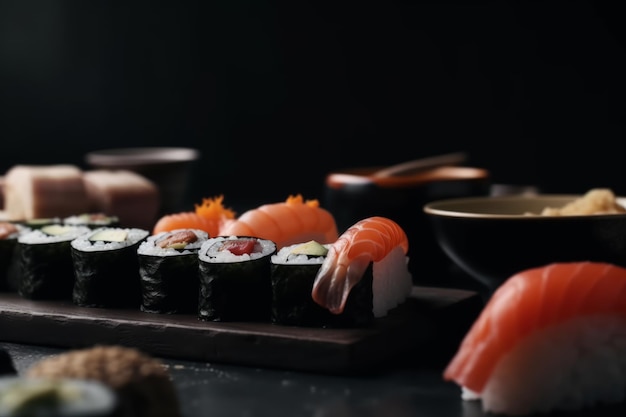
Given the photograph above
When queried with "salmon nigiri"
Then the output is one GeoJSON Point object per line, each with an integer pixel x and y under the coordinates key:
{"type": "Point", "coordinates": [208, 216]}
{"type": "Point", "coordinates": [549, 338]}
{"type": "Point", "coordinates": [292, 221]}
{"type": "Point", "coordinates": [376, 240]}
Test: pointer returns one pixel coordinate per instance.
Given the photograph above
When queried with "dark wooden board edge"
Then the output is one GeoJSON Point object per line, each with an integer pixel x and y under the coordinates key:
{"type": "Point", "coordinates": [430, 317]}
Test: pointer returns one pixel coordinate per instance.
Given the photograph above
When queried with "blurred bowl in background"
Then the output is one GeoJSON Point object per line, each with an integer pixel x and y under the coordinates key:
{"type": "Point", "coordinates": [354, 194]}
{"type": "Point", "coordinates": [492, 238]}
{"type": "Point", "coordinates": [170, 168]}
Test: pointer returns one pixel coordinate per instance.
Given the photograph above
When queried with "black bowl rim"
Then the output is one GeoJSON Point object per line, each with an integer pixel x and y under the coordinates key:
{"type": "Point", "coordinates": [450, 207]}
{"type": "Point", "coordinates": [141, 156]}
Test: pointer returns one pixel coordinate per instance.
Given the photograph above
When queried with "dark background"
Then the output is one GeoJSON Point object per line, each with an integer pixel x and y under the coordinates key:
{"type": "Point", "coordinates": [276, 95]}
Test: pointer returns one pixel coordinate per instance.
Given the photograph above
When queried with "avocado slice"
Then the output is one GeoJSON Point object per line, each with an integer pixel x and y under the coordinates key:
{"type": "Point", "coordinates": [310, 248]}
{"type": "Point", "coordinates": [109, 235]}
{"type": "Point", "coordinates": [56, 229]}
{"type": "Point", "coordinates": [39, 222]}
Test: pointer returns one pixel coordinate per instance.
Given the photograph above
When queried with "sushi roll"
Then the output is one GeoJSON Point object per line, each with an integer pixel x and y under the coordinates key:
{"type": "Point", "coordinates": [22, 396]}
{"type": "Point", "coordinates": [549, 339]}
{"type": "Point", "coordinates": [234, 274]}
{"type": "Point", "coordinates": [8, 242]}
{"type": "Point", "coordinates": [38, 223]}
{"type": "Point", "coordinates": [168, 267]}
{"type": "Point", "coordinates": [374, 249]}
{"type": "Point", "coordinates": [141, 382]}
{"type": "Point", "coordinates": [106, 267]}
{"type": "Point", "coordinates": [92, 220]}
{"type": "Point", "coordinates": [293, 271]}
{"type": "Point", "coordinates": [45, 262]}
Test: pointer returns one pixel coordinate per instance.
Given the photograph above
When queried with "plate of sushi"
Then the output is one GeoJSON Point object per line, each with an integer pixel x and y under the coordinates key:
{"type": "Point", "coordinates": [276, 286]}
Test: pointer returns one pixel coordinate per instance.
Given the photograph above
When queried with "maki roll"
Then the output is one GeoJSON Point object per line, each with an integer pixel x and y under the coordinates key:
{"type": "Point", "coordinates": [58, 397]}
{"type": "Point", "coordinates": [40, 222]}
{"type": "Point", "coordinates": [141, 382]}
{"type": "Point", "coordinates": [106, 267]}
{"type": "Point", "coordinates": [293, 272]}
{"type": "Point", "coordinates": [92, 220]}
{"type": "Point", "coordinates": [168, 268]}
{"type": "Point", "coordinates": [45, 262]}
{"type": "Point", "coordinates": [234, 274]}
{"type": "Point", "coordinates": [8, 242]}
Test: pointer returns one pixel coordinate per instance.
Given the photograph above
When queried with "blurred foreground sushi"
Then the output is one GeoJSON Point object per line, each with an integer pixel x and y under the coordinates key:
{"type": "Point", "coordinates": [58, 397]}
{"type": "Point", "coordinates": [141, 382]}
{"type": "Point", "coordinates": [235, 279]}
{"type": "Point", "coordinates": [551, 338]}
{"type": "Point", "coordinates": [168, 268]}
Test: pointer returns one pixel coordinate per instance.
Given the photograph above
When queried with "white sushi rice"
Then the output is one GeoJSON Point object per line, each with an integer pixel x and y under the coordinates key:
{"type": "Point", "coordinates": [392, 283]}
{"type": "Point", "coordinates": [37, 236]}
{"type": "Point", "coordinates": [570, 366]}
{"type": "Point", "coordinates": [210, 250]}
{"type": "Point", "coordinates": [149, 247]}
{"type": "Point", "coordinates": [82, 243]}
{"type": "Point", "coordinates": [285, 257]}
{"type": "Point", "coordinates": [21, 229]}
{"type": "Point", "coordinates": [87, 219]}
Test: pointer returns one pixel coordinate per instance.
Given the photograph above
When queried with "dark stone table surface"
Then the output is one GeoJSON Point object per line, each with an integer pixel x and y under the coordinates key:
{"type": "Point", "coordinates": [220, 390]}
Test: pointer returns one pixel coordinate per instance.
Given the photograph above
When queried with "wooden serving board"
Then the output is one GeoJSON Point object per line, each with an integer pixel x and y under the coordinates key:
{"type": "Point", "coordinates": [432, 317]}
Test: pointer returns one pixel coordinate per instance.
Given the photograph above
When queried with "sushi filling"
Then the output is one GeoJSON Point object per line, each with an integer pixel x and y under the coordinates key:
{"type": "Point", "coordinates": [52, 234]}
{"type": "Point", "coordinates": [227, 249]}
{"type": "Point", "coordinates": [298, 255]}
{"type": "Point", "coordinates": [92, 220]}
{"type": "Point", "coordinates": [106, 238]}
{"type": "Point", "coordinates": [176, 242]}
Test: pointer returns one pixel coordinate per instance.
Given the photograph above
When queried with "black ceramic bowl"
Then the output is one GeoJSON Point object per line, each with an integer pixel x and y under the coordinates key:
{"type": "Point", "coordinates": [492, 238]}
{"type": "Point", "coordinates": [355, 194]}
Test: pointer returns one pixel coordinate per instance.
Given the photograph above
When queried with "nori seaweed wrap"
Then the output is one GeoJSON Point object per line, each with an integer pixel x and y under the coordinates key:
{"type": "Point", "coordinates": [234, 274]}
{"type": "Point", "coordinates": [106, 268]}
{"type": "Point", "coordinates": [45, 262]}
{"type": "Point", "coordinates": [9, 233]}
{"type": "Point", "coordinates": [293, 271]}
{"type": "Point", "coordinates": [168, 267]}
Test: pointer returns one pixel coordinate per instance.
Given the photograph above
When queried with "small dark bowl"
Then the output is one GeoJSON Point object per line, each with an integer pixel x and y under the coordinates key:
{"type": "Point", "coordinates": [170, 168]}
{"type": "Point", "coordinates": [492, 238]}
{"type": "Point", "coordinates": [354, 194]}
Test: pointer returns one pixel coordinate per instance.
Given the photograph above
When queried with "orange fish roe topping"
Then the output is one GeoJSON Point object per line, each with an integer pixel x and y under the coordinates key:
{"type": "Point", "coordinates": [297, 199]}
{"type": "Point", "coordinates": [212, 208]}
